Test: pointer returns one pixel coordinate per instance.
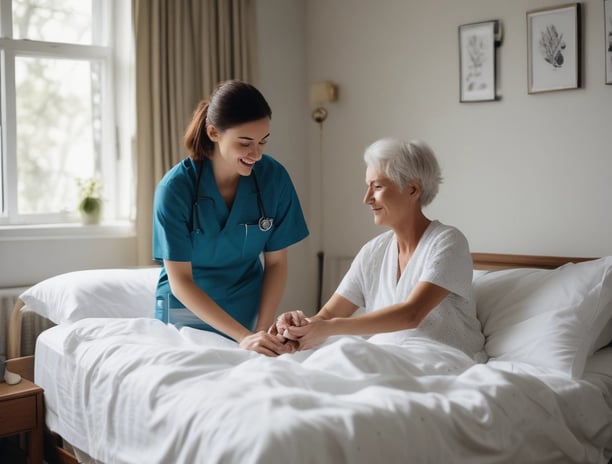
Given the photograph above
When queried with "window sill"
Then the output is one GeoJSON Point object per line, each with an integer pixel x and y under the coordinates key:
{"type": "Point", "coordinates": [76, 230]}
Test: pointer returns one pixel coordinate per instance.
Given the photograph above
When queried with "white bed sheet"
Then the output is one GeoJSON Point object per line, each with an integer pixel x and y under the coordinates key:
{"type": "Point", "coordinates": [123, 389]}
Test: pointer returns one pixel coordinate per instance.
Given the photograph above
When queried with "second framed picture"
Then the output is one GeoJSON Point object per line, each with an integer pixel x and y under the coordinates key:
{"type": "Point", "coordinates": [477, 62]}
{"type": "Point", "coordinates": [553, 48]}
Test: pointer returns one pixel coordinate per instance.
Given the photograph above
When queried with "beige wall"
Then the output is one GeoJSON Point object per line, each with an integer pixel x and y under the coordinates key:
{"type": "Point", "coordinates": [527, 174]}
{"type": "Point", "coordinates": [282, 78]}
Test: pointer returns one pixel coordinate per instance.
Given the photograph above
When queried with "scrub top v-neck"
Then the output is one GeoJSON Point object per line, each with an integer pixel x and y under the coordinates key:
{"type": "Point", "coordinates": [223, 243]}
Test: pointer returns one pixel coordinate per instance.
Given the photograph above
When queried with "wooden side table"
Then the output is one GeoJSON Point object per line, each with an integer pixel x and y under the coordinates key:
{"type": "Point", "coordinates": [21, 410]}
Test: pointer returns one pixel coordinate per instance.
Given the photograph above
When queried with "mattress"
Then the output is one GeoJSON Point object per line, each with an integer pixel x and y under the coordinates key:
{"type": "Point", "coordinates": [121, 389]}
{"type": "Point", "coordinates": [47, 371]}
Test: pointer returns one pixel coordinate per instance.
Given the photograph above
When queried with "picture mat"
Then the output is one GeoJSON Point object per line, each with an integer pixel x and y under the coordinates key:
{"type": "Point", "coordinates": [543, 75]}
{"type": "Point", "coordinates": [485, 81]}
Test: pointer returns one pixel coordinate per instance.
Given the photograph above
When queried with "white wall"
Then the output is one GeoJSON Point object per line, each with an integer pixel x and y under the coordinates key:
{"type": "Point", "coordinates": [528, 174]}
{"type": "Point", "coordinates": [282, 78]}
{"type": "Point", "coordinates": [26, 260]}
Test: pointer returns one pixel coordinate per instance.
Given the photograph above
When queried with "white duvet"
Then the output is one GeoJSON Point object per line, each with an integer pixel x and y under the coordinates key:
{"type": "Point", "coordinates": [138, 391]}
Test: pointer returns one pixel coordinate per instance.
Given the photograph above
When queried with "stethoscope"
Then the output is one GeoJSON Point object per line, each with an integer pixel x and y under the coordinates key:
{"type": "Point", "coordinates": [265, 223]}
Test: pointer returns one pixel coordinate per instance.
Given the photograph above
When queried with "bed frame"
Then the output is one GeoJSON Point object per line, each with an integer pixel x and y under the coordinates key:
{"type": "Point", "coordinates": [496, 261]}
{"type": "Point", "coordinates": [54, 450]}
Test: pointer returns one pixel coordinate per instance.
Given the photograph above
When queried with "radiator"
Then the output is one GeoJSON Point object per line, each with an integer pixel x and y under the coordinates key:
{"type": "Point", "coordinates": [334, 269]}
{"type": "Point", "coordinates": [32, 323]}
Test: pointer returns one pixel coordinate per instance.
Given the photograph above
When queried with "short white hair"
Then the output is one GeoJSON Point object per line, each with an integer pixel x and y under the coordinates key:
{"type": "Point", "coordinates": [406, 162]}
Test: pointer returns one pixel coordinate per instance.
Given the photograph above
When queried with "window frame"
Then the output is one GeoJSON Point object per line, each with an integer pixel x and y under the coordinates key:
{"type": "Point", "coordinates": [111, 159]}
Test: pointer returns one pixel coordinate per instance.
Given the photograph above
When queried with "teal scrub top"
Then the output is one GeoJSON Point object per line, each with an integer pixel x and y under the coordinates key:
{"type": "Point", "coordinates": [223, 244]}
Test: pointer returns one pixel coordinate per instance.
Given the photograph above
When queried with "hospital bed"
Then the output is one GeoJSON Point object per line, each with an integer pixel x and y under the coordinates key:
{"type": "Point", "coordinates": [120, 385]}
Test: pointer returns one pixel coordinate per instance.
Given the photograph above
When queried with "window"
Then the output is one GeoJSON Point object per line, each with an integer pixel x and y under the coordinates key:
{"type": "Point", "coordinates": [58, 103]}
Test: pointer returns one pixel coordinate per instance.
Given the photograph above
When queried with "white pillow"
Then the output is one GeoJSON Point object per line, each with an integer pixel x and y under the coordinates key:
{"type": "Point", "coordinates": [76, 295]}
{"type": "Point", "coordinates": [477, 273]}
{"type": "Point", "coordinates": [552, 318]}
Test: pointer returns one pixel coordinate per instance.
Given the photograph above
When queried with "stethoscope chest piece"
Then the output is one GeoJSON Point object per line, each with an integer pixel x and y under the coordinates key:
{"type": "Point", "coordinates": [265, 223]}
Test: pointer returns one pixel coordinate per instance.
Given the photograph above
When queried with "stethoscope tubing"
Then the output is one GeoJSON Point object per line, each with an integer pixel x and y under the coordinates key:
{"type": "Point", "coordinates": [264, 223]}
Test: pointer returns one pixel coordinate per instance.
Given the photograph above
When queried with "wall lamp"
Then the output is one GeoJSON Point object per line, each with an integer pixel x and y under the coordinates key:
{"type": "Point", "coordinates": [321, 93]}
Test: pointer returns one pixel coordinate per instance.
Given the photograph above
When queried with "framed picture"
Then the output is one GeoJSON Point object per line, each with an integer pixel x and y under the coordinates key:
{"type": "Point", "coordinates": [477, 63]}
{"type": "Point", "coordinates": [608, 29]}
{"type": "Point", "coordinates": [553, 48]}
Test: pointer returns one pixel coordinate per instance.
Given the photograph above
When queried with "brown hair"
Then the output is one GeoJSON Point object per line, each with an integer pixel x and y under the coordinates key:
{"type": "Point", "coordinates": [230, 104]}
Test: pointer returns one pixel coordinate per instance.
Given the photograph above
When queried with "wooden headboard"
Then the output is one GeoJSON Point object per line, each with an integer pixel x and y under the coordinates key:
{"type": "Point", "coordinates": [496, 261]}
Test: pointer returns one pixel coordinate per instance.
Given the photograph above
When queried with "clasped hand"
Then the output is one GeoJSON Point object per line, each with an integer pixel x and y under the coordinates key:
{"type": "Point", "coordinates": [279, 339]}
{"type": "Point", "coordinates": [298, 330]}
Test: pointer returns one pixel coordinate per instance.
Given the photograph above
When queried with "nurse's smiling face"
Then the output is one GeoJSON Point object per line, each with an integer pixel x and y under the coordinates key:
{"type": "Point", "coordinates": [240, 147]}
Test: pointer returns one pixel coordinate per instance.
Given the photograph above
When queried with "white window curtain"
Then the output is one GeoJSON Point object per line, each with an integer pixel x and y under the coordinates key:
{"type": "Point", "coordinates": [183, 49]}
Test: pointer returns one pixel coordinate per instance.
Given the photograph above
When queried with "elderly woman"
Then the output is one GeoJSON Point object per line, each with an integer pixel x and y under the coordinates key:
{"type": "Point", "coordinates": [413, 280]}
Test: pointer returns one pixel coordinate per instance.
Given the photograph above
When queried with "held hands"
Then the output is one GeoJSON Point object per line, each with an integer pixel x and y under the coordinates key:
{"type": "Point", "coordinates": [298, 330]}
{"type": "Point", "coordinates": [277, 340]}
{"type": "Point", "coordinates": [266, 343]}
{"type": "Point", "coordinates": [287, 320]}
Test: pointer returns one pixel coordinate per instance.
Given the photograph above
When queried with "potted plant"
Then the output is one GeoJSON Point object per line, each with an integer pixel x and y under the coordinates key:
{"type": "Point", "coordinates": [90, 204]}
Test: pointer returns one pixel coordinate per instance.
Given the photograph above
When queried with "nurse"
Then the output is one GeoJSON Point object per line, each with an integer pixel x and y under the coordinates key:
{"type": "Point", "coordinates": [222, 222]}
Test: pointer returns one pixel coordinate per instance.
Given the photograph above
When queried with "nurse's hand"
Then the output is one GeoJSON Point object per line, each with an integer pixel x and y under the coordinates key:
{"type": "Point", "coordinates": [266, 343]}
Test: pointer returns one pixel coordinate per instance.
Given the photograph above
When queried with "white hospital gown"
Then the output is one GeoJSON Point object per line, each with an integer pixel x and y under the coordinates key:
{"type": "Point", "coordinates": [443, 258]}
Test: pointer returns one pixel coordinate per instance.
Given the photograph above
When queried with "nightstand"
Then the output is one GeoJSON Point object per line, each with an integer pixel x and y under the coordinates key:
{"type": "Point", "coordinates": [21, 410]}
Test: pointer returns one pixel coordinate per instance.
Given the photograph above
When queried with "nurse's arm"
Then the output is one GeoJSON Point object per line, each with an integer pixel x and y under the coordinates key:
{"type": "Point", "coordinates": [274, 281]}
{"type": "Point", "coordinates": [184, 288]}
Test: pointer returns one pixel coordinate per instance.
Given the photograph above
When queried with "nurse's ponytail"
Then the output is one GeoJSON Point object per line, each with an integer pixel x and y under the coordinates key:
{"type": "Point", "coordinates": [230, 104]}
{"type": "Point", "coordinates": [198, 145]}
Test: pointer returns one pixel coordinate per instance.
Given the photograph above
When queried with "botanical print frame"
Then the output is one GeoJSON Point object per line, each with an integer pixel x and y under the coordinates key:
{"type": "Point", "coordinates": [608, 30]}
{"type": "Point", "coordinates": [553, 48]}
{"type": "Point", "coordinates": [477, 61]}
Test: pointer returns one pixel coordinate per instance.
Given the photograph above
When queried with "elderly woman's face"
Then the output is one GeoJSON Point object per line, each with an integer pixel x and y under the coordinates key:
{"type": "Point", "coordinates": [383, 196]}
